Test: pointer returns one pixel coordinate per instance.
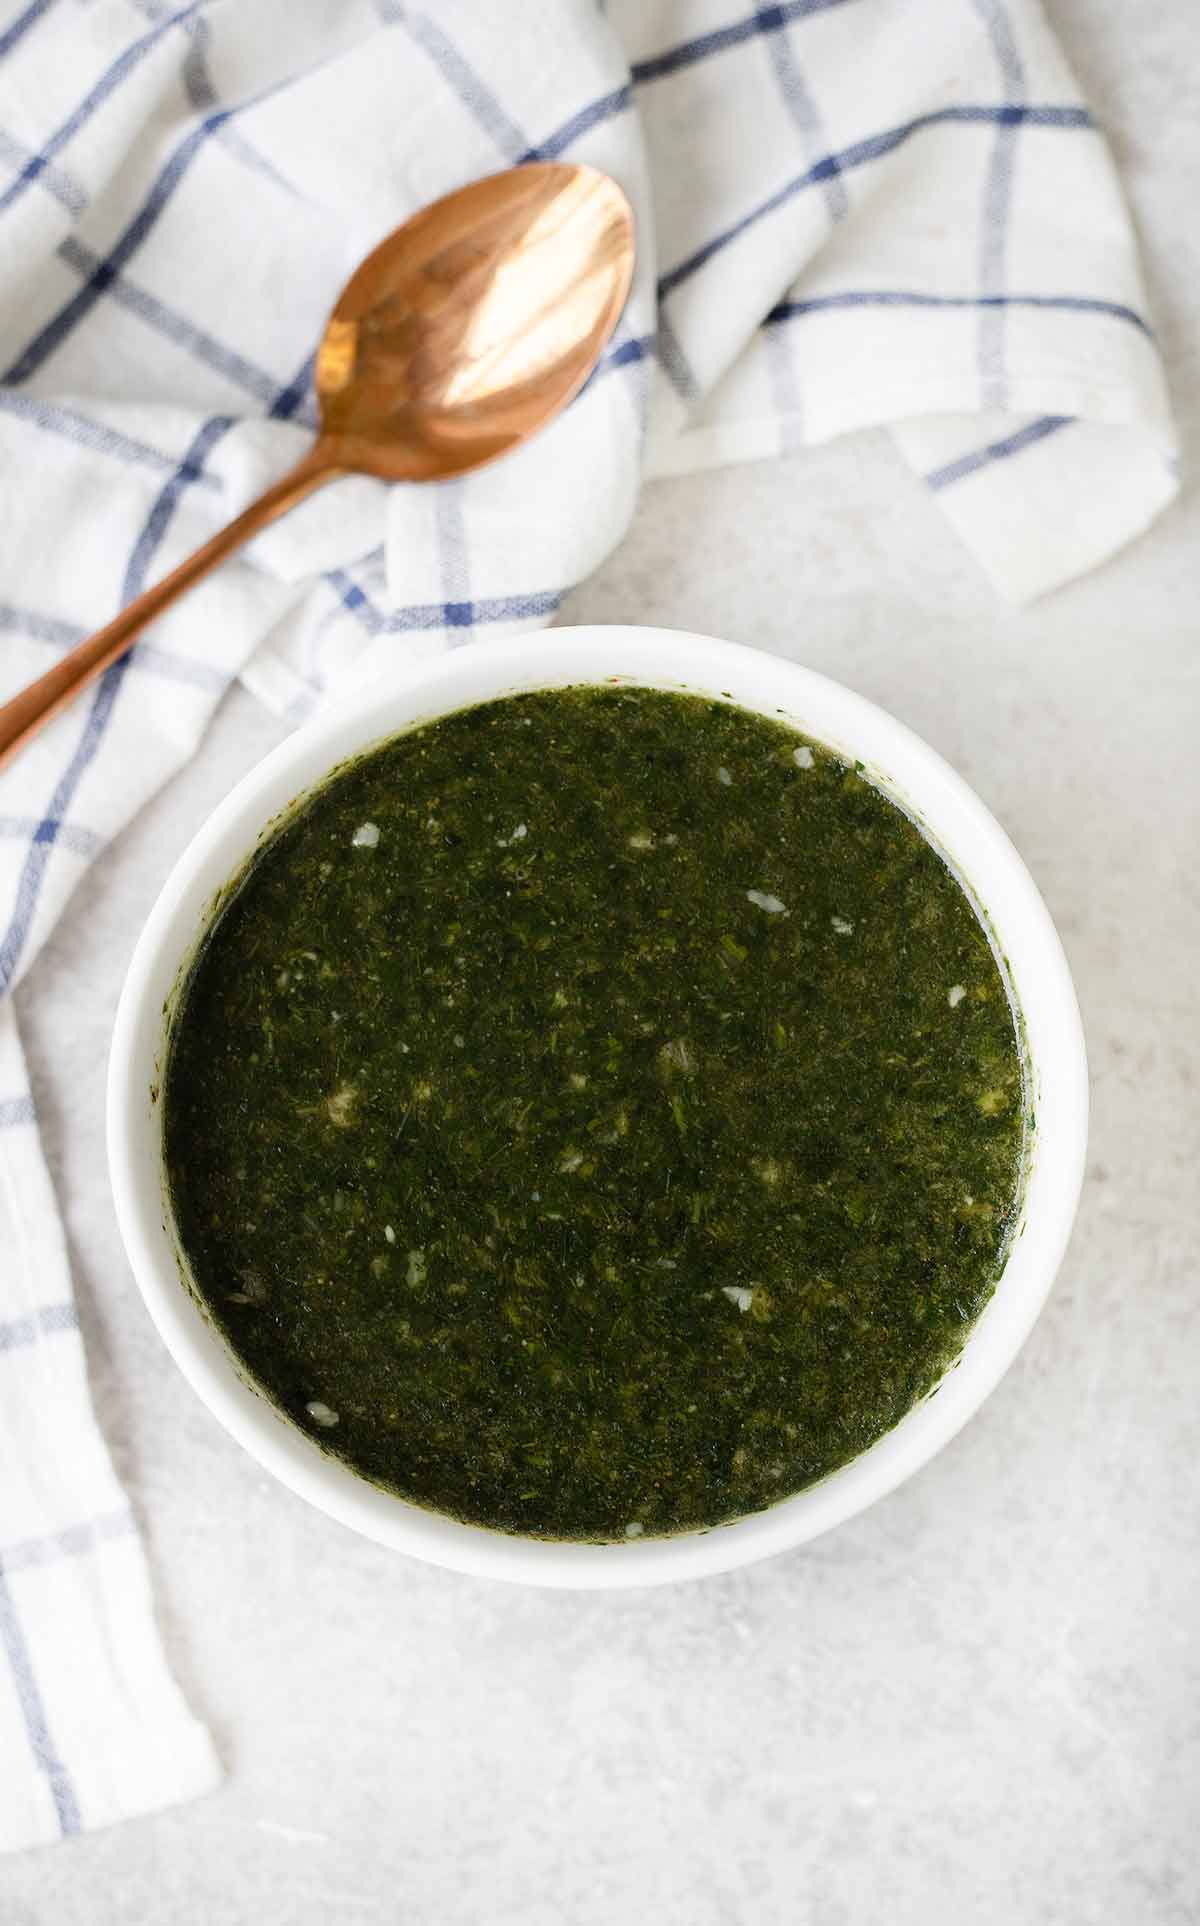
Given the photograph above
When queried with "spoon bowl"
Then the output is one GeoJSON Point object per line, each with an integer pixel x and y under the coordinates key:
{"type": "Point", "coordinates": [463, 334]}
{"type": "Point", "coordinates": [474, 323]}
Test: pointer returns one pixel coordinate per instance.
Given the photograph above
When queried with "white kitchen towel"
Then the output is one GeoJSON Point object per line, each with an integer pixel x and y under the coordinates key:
{"type": "Point", "coordinates": [92, 1725]}
{"type": "Point", "coordinates": [851, 213]}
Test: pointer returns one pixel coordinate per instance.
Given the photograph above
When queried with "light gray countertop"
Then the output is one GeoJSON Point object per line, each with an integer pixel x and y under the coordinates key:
{"type": "Point", "coordinates": [980, 1701]}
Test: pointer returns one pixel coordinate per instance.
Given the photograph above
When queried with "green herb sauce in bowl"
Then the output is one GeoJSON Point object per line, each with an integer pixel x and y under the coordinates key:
{"type": "Point", "coordinates": [596, 1113]}
{"type": "Point", "coordinates": [568, 1115]}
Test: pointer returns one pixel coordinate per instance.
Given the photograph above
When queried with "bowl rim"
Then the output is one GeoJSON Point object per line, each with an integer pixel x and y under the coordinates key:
{"type": "Point", "coordinates": [912, 773]}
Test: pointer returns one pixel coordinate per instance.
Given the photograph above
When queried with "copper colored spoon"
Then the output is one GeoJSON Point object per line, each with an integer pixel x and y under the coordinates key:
{"type": "Point", "coordinates": [456, 340]}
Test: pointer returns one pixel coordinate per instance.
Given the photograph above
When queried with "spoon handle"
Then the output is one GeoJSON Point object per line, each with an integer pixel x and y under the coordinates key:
{"type": "Point", "coordinates": [26, 713]}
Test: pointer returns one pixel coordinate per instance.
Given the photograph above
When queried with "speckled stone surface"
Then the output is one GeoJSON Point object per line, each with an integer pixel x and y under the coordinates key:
{"type": "Point", "coordinates": [981, 1701]}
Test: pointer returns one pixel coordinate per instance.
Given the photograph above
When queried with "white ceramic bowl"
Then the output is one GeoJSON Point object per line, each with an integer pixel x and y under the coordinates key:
{"type": "Point", "coordinates": [954, 819]}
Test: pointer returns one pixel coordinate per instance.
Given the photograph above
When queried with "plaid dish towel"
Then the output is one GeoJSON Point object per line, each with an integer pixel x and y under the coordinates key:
{"type": "Point", "coordinates": [851, 213]}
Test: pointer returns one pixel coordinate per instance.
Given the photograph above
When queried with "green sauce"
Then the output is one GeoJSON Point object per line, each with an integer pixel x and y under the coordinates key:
{"type": "Point", "coordinates": [595, 1113]}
